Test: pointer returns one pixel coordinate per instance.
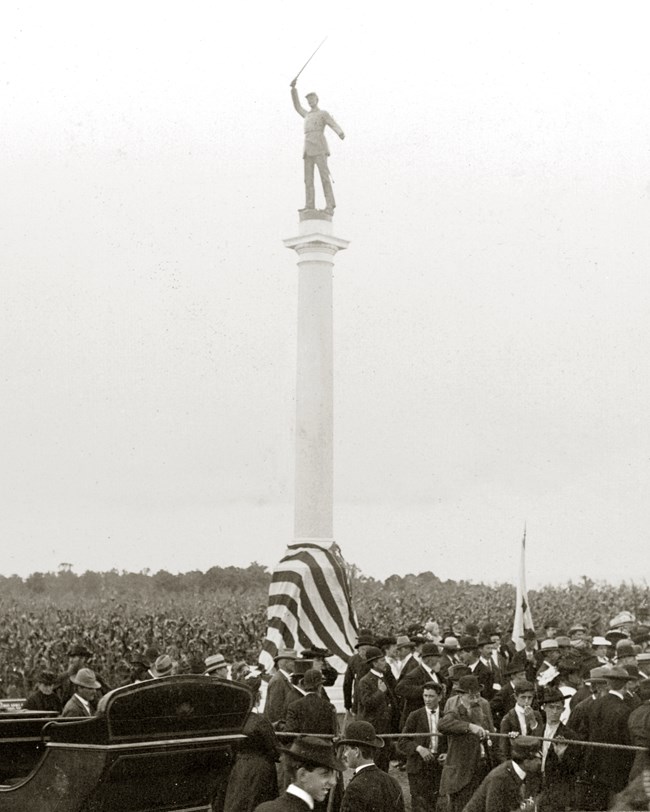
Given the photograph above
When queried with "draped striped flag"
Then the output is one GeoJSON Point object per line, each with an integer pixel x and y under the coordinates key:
{"type": "Point", "coordinates": [310, 604]}
{"type": "Point", "coordinates": [523, 617]}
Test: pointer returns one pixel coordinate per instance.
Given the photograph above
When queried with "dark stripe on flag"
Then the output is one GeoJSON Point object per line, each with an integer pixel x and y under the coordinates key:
{"type": "Point", "coordinates": [323, 587]}
{"type": "Point", "coordinates": [311, 613]}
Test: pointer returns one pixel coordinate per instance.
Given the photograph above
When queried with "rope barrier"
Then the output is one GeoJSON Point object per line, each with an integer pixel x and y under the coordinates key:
{"type": "Point", "coordinates": [578, 742]}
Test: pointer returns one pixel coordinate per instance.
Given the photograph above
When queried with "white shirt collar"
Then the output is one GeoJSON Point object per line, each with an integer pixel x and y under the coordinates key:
{"type": "Point", "coordinates": [285, 673]}
{"type": "Point", "coordinates": [293, 789]}
{"type": "Point", "coordinates": [617, 693]}
{"type": "Point", "coordinates": [521, 773]}
{"type": "Point", "coordinates": [85, 703]}
{"type": "Point", "coordinates": [363, 767]}
{"type": "Point", "coordinates": [376, 673]}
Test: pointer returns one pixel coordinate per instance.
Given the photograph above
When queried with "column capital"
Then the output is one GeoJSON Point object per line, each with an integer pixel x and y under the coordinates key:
{"type": "Point", "coordinates": [315, 237]}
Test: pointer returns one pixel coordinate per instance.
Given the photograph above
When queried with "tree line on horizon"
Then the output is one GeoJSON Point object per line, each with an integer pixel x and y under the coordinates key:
{"type": "Point", "coordinates": [422, 589]}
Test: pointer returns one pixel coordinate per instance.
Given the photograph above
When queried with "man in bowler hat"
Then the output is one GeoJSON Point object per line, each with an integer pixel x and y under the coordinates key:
{"type": "Point", "coordinates": [370, 789]}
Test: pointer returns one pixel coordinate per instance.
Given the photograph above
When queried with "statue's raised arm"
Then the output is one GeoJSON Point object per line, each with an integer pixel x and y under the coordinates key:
{"type": "Point", "coordinates": [316, 150]}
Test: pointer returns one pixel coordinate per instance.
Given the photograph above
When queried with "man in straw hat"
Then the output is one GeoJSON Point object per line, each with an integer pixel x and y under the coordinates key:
{"type": "Point", "coordinates": [216, 665]}
{"type": "Point", "coordinates": [163, 667]}
{"type": "Point", "coordinates": [312, 767]}
{"type": "Point", "coordinates": [86, 687]}
{"type": "Point", "coordinates": [370, 789]}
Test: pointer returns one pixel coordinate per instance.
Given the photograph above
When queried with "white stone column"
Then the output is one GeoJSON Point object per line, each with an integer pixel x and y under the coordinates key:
{"type": "Point", "coordinates": [316, 247]}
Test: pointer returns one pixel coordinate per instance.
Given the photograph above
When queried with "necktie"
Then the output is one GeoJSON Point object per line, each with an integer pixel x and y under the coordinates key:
{"type": "Point", "coordinates": [433, 727]}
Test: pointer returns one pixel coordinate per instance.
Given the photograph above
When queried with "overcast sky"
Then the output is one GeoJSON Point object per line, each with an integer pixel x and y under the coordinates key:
{"type": "Point", "coordinates": [491, 312]}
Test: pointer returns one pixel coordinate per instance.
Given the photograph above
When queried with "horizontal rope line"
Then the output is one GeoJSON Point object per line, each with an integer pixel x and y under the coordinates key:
{"type": "Point", "coordinates": [579, 742]}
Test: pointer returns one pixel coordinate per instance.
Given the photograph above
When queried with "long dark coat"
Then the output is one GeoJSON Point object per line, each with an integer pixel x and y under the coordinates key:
{"type": "Point", "coordinates": [375, 706]}
{"type": "Point", "coordinates": [608, 723]}
{"type": "Point", "coordinates": [312, 714]}
{"type": "Point", "coordinates": [559, 777]}
{"type": "Point", "coordinates": [253, 778]}
{"type": "Point", "coordinates": [464, 751]}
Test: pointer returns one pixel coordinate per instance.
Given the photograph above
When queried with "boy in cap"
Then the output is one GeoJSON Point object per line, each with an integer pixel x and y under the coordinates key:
{"type": "Point", "coordinates": [370, 789]}
{"type": "Point", "coordinates": [521, 720]}
{"type": "Point", "coordinates": [311, 766]}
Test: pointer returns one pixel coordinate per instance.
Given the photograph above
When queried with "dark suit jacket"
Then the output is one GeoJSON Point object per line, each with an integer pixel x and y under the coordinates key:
{"type": "Point", "coordinates": [501, 791]}
{"type": "Point", "coordinates": [375, 706]}
{"type": "Point", "coordinates": [485, 678]}
{"type": "Point", "coordinates": [372, 790]}
{"type": "Point", "coordinates": [579, 717]}
{"type": "Point", "coordinates": [357, 668]}
{"type": "Point", "coordinates": [638, 724]}
{"type": "Point", "coordinates": [503, 701]}
{"type": "Point", "coordinates": [285, 803]}
{"type": "Point", "coordinates": [446, 661]}
{"type": "Point", "coordinates": [311, 714]}
{"type": "Point", "coordinates": [417, 722]}
{"type": "Point", "coordinates": [409, 690]}
{"type": "Point", "coordinates": [510, 724]}
{"type": "Point", "coordinates": [559, 776]}
{"type": "Point", "coordinates": [608, 723]}
{"type": "Point", "coordinates": [73, 707]}
{"type": "Point", "coordinates": [409, 665]}
{"type": "Point", "coordinates": [277, 695]}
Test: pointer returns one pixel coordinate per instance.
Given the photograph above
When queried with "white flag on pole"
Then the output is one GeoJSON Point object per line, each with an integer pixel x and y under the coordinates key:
{"type": "Point", "coordinates": [523, 617]}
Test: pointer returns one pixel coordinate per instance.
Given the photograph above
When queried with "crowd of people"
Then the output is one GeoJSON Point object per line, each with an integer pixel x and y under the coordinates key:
{"type": "Point", "coordinates": [472, 719]}
{"type": "Point", "coordinates": [481, 723]}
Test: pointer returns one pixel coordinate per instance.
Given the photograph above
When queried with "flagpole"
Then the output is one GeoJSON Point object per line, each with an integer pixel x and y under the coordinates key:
{"type": "Point", "coordinates": [523, 618]}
